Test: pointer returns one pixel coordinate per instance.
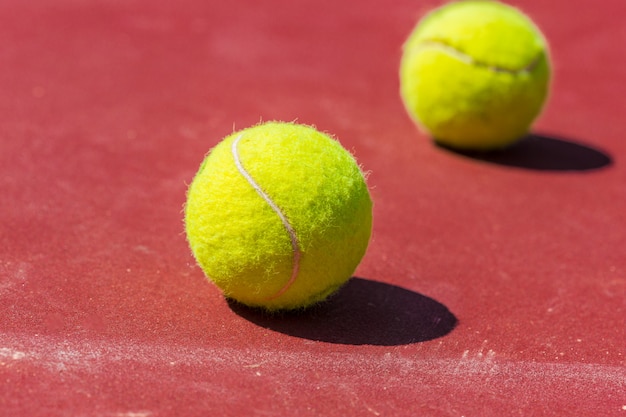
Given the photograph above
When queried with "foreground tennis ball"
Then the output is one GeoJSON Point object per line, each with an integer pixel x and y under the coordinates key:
{"type": "Point", "coordinates": [475, 74]}
{"type": "Point", "coordinates": [278, 216]}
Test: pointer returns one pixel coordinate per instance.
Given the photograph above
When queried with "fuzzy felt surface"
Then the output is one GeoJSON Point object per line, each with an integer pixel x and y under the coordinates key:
{"type": "Point", "coordinates": [475, 74]}
{"type": "Point", "coordinates": [307, 184]}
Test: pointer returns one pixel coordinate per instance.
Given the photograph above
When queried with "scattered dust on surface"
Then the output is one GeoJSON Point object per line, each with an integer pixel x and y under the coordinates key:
{"type": "Point", "coordinates": [8, 353]}
{"type": "Point", "coordinates": [13, 275]}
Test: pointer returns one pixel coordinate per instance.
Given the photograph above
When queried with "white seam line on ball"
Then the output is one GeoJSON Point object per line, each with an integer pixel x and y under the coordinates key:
{"type": "Point", "coordinates": [292, 234]}
{"type": "Point", "coordinates": [468, 59]}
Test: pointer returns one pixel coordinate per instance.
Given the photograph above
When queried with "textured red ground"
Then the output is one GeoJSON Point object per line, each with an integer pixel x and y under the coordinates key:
{"type": "Point", "coordinates": [494, 285]}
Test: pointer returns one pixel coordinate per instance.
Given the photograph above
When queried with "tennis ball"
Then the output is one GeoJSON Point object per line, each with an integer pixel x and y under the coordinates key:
{"type": "Point", "coordinates": [475, 74]}
{"type": "Point", "coordinates": [278, 216]}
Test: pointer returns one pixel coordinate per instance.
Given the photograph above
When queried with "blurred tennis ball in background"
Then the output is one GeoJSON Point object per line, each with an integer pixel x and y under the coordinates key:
{"type": "Point", "coordinates": [475, 74]}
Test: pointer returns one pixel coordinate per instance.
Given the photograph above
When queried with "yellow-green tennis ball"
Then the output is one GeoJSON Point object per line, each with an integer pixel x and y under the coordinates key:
{"type": "Point", "coordinates": [278, 216]}
{"type": "Point", "coordinates": [475, 74]}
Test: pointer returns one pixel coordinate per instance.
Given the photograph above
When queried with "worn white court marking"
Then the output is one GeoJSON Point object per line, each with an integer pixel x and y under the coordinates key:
{"type": "Point", "coordinates": [292, 234]}
{"type": "Point", "coordinates": [92, 355]}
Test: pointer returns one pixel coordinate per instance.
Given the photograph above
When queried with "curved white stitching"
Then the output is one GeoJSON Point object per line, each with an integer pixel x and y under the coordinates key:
{"type": "Point", "coordinates": [468, 59]}
{"type": "Point", "coordinates": [292, 234]}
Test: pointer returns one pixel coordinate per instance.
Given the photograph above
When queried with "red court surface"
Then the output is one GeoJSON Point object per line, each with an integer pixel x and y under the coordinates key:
{"type": "Point", "coordinates": [494, 285]}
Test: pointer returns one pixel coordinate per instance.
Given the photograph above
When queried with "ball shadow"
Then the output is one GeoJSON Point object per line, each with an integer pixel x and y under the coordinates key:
{"type": "Point", "coordinates": [543, 153]}
{"type": "Point", "coordinates": [363, 312]}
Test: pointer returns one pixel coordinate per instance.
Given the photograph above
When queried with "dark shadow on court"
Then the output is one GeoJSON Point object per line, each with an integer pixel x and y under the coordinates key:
{"type": "Point", "coordinates": [544, 153]}
{"type": "Point", "coordinates": [363, 312]}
